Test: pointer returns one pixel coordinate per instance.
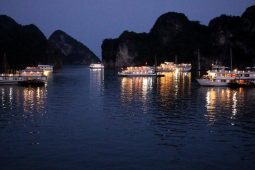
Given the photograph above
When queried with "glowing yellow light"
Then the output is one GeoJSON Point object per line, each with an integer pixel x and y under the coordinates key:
{"type": "Point", "coordinates": [46, 73]}
{"type": "Point", "coordinates": [176, 70]}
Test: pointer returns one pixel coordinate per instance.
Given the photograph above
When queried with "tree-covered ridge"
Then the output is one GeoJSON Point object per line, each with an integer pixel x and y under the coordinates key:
{"type": "Point", "coordinates": [173, 34]}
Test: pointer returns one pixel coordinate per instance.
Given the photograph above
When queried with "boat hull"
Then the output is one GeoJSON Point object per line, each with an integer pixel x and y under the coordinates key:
{"type": "Point", "coordinates": [137, 75]}
{"type": "Point", "coordinates": [207, 82]}
{"type": "Point", "coordinates": [34, 83]}
{"type": "Point", "coordinates": [3, 82]}
{"type": "Point", "coordinates": [10, 79]}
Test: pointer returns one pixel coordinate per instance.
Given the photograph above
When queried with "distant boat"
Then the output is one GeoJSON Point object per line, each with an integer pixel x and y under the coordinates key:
{"type": "Point", "coordinates": [221, 76]}
{"type": "Point", "coordinates": [172, 67]}
{"type": "Point", "coordinates": [30, 74]}
{"type": "Point", "coordinates": [142, 71]}
{"type": "Point", "coordinates": [213, 79]}
{"type": "Point", "coordinates": [46, 68]}
{"type": "Point", "coordinates": [96, 66]}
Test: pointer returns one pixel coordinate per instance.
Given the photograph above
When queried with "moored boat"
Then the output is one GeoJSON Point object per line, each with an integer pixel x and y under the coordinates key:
{"type": "Point", "coordinates": [183, 67]}
{"type": "Point", "coordinates": [30, 73]}
{"type": "Point", "coordinates": [220, 76]}
{"type": "Point", "coordinates": [210, 81]}
{"type": "Point", "coordinates": [142, 71]}
{"type": "Point", "coordinates": [172, 67]}
{"type": "Point", "coordinates": [96, 66]}
{"type": "Point", "coordinates": [46, 68]}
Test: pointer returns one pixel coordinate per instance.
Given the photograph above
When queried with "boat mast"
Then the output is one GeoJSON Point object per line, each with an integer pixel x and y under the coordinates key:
{"type": "Point", "coordinates": [230, 58]}
{"type": "Point", "coordinates": [155, 64]}
{"type": "Point", "coordinates": [198, 59]}
{"type": "Point", "coordinates": [5, 64]}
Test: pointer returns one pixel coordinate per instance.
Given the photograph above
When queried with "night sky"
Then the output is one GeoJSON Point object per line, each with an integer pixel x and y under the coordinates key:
{"type": "Point", "coordinates": [91, 21]}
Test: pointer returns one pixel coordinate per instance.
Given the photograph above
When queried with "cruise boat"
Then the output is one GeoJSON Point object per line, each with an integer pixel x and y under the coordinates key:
{"type": "Point", "coordinates": [221, 76]}
{"type": "Point", "coordinates": [96, 66]}
{"type": "Point", "coordinates": [142, 71]}
{"type": "Point", "coordinates": [183, 67]}
{"type": "Point", "coordinates": [30, 74]}
{"type": "Point", "coordinates": [172, 67]}
{"type": "Point", "coordinates": [10, 78]}
{"type": "Point", "coordinates": [33, 76]}
{"type": "Point", "coordinates": [46, 68]}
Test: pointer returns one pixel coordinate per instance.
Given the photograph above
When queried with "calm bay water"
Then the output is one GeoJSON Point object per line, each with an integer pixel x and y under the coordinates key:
{"type": "Point", "coordinates": [91, 119]}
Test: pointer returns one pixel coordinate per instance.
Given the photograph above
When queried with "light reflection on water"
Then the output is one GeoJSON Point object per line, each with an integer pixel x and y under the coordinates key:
{"type": "Point", "coordinates": [132, 87]}
{"type": "Point", "coordinates": [166, 99]}
{"type": "Point", "coordinates": [96, 80]}
{"type": "Point", "coordinates": [168, 88]}
{"type": "Point", "coordinates": [22, 100]}
{"type": "Point", "coordinates": [224, 102]}
{"type": "Point", "coordinates": [174, 84]}
{"type": "Point", "coordinates": [34, 99]}
{"type": "Point", "coordinates": [97, 119]}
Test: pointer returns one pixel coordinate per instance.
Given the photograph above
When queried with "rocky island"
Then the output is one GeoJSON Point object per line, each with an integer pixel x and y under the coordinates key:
{"type": "Point", "coordinates": [26, 45]}
{"type": "Point", "coordinates": [173, 34]}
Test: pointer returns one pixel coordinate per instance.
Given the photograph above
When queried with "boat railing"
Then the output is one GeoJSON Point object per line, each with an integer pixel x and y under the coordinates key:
{"type": "Point", "coordinates": [206, 77]}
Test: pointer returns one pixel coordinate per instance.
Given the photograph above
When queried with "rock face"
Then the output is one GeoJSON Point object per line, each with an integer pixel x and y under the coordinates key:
{"type": "Point", "coordinates": [173, 34]}
{"type": "Point", "coordinates": [73, 51]}
{"type": "Point", "coordinates": [129, 49]}
{"type": "Point", "coordinates": [237, 33]}
{"type": "Point", "coordinates": [21, 46]}
{"type": "Point", "coordinates": [248, 19]}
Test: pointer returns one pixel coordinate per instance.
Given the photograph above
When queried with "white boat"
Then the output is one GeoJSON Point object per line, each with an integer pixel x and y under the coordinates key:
{"type": "Point", "coordinates": [142, 71]}
{"type": "Point", "coordinates": [96, 66]}
{"type": "Point", "coordinates": [171, 67]}
{"type": "Point", "coordinates": [10, 78]}
{"type": "Point", "coordinates": [183, 67]}
{"type": "Point", "coordinates": [31, 74]}
{"type": "Point", "coordinates": [46, 68]}
{"type": "Point", "coordinates": [207, 81]}
{"type": "Point", "coordinates": [220, 76]}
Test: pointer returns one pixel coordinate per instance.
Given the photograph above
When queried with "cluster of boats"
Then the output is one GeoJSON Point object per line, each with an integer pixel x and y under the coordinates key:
{"type": "Point", "coordinates": [29, 76]}
{"type": "Point", "coordinates": [222, 76]}
{"type": "Point", "coordinates": [148, 71]}
{"type": "Point", "coordinates": [155, 70]}
{"type": "Point", "coordinates": [217, 76]}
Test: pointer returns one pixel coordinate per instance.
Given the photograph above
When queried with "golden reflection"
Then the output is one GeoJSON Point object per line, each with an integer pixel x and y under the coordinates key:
{"type": "Point", "coordinates": [168, 88]}
{"type": "Point", "coordinates": [3, 97]}
{"type": "Point", "coordinates": [174, 83]}
{"type": "Point", "coordinates": [222, 101]}
{"type": "Point", "coordinates": [135, 87]}
{"type": "Point", "coordinates": [33, 99]}
{"type": "Point", "coordinates": [30, 99]}
{"type": "Point", "coordinates": [234, 109]}
{"type": "Point", "coordinates": [210, 105]}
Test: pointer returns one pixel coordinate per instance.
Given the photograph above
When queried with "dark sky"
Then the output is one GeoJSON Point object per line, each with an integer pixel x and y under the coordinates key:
{"type": "Point", "coordinates": [91, 21]}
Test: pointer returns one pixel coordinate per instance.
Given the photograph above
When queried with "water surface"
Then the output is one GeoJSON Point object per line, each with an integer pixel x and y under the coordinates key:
{"type": "Point", "coordinates": [92, 119]}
